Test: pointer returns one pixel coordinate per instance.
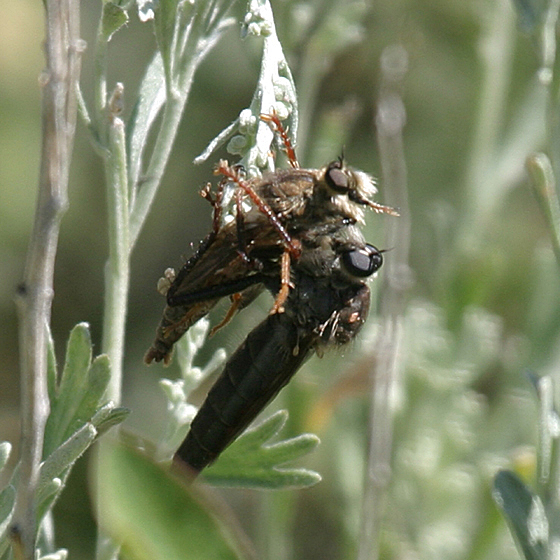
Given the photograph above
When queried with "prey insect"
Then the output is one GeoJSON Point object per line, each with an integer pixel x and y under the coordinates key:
{"type": "Point", "coordinates": [300, 239]}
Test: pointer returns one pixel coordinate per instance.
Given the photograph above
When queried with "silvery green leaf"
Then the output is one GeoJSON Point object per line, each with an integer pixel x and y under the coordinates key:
{"type": "Point", "coordinates": [524, 513]}
{"type": "Point", "coordinates": [151, 97]}
{"type": "Point", "coordinates": [253, 462]}
{"type": "Point", "coordinates": [72, 388]}
{"type": "Point", "coordinates": [7, 502]}
{"type": "Point", "coordinates": [66, 454]}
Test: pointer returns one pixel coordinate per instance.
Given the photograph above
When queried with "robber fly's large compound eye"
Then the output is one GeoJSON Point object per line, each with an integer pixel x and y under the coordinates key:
{"type": "Point", "coordinates": [363, 262]}
{"type": "Point", "coordinates": [336, 178]}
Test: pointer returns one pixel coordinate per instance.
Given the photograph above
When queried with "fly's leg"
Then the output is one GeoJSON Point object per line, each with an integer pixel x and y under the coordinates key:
{"type": "Point", "coordinates": [285, 284]}
{"type": "Point", "coordinates": [277, 127]}
{"type": "Point", "coordinates": [235, 301]}
{"type": "Point", "coordinates": [232, 174]}
{"type": "Point", "coordinates": [240, 227]}
{"type": "Point", "coordinates": [237, 298]}
{"type": "Point", "coordinates": [216, 203]}
{"type": "Point", "coordinates": [210, 238]}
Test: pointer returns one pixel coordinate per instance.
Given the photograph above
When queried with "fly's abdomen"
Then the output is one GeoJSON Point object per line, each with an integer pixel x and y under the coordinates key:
{"type": "Point", "coordinates": [252, 377]}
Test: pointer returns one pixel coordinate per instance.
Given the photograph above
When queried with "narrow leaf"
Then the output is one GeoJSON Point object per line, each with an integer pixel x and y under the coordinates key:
{"type": "Point", "coordinates": [541, 175]}
{"type": "Point", "coordinates": [7, 502]}
{"type": "Point", "coordinates": [115, 416]}
{"type": "Point", "coordinates": [66, 455]}
{"type": "Point", "coordinates": [72, 389]}
{"type": "Point", "coordinates": [524, 513]}
{"type": "Point", "coordinates": [151, 98]}
{"type": "Point", "coordinates": [156, 517]}
{"type": "Point", "coordinates": [165, 17]}
{"type": "Point", "coordinates": [56, 468]}
{"type": "Point", "coordinates": [99, 375]}
{"type": "Point", "coordinates": [264, 431]}
{"type": "Point", "coordinates": [49, 495]}
{"type": "Point", "coordinates": [290, 449]}
{"type": "Point", "coordinates": [78, 358]}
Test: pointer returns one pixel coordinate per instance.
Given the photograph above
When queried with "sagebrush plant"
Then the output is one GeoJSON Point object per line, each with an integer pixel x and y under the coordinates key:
{"type": "Point", "coordinates": [439, 357]}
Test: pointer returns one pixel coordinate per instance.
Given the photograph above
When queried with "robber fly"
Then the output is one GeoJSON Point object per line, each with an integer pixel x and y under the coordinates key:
{"type": "Point", "coordinates": [301, 241]}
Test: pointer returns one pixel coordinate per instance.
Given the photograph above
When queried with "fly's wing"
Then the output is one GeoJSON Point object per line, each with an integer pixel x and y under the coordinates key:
{"type": "Point", "coordinates": [205, 278]}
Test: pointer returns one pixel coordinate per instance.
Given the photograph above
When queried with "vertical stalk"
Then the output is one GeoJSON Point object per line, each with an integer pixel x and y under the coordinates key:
{"type": "Point", "coordinates": [117, 269]}
{"type": "Point", "coordinates": [59, 80]}
{"type": "Point", "coordinates": [100, 84]}
{"type": "Point", "coordinates": [496, 52]}
{"type": "Point", "coordinates": [390, 121]}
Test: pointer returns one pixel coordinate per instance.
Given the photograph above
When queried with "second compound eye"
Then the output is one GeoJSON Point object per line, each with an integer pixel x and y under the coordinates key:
{"type": "Point", "coordinates": [363, 262]}
{"type": "Point", "coordinates": [336, 178]}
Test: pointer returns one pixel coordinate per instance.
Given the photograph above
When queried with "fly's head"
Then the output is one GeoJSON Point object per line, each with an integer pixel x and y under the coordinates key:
{"type": "Point", "coordinates": [331, 295]}
{"type": "Point", "coordinates": [349, 191]}
{"type": "Point", "coordinates": [359, 263]}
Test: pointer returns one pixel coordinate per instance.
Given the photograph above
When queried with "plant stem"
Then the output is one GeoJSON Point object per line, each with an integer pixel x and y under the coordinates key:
{"type": "Point", "coordinates": [63, 52]}
{"type": "Point", "coordinates": [390, 121]}
{"type": "Point", "coordinates": [100, 84]}
{"type": "Point", "coordinates": [117, 269]}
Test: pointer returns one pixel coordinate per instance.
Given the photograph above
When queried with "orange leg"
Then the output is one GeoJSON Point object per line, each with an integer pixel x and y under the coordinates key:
{"type": "Point", "coordinates": [235, 299]}
{"type": "Point", "coordinates": [216, 203]}
{"type": "Point", "coordinates": [278, 127]}
{"type": "Point", "coordinates": [232, 174]}
{"type": "Point", "coordinates": [285, 284]}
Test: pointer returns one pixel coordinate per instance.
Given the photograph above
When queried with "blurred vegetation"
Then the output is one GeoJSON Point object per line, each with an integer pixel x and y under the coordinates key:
{"type": "Point", "coordinates": [482, 306]}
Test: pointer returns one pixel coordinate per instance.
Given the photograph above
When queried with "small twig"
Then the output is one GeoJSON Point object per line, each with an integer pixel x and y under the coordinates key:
{"type": "Point", "coordinates": [59, 80]}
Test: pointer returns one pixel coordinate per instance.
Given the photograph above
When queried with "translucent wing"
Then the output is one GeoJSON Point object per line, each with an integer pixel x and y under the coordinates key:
{"type": "Point", "coordinates": [217, 269]}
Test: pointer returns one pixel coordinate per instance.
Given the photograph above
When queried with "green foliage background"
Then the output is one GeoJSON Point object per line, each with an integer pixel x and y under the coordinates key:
{"type": "Point", "coordinates": [482, 305]}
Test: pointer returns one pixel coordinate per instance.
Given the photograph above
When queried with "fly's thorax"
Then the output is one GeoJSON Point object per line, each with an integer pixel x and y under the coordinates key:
{"type": "Point", "coordinates": [287, 191]}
